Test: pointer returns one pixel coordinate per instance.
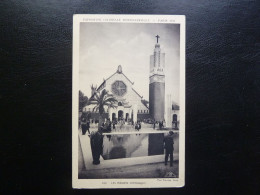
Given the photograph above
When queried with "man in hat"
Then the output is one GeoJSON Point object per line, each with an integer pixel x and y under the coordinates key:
{"type": "Point", "coordinates": [168, 145]}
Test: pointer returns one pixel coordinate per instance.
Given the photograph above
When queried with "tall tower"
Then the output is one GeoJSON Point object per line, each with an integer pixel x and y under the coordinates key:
{"type": "Point", "coordinates": [157, 83]}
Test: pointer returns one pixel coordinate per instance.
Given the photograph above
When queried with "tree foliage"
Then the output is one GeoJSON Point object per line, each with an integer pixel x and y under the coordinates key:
{"type": "Point", "coordinates": [101, 100]}
{"type": "Point", "coordinates": [83, 101]}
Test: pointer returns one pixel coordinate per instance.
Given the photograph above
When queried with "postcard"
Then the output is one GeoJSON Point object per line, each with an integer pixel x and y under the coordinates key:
{"type": "Point", "coordinates": [128, 109]}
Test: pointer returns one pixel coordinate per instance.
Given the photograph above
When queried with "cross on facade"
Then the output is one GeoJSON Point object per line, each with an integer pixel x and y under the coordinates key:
{"type": "Point", "coordinates": [119, 88]}
{"type": "Point", "coordinates": [157, 37]}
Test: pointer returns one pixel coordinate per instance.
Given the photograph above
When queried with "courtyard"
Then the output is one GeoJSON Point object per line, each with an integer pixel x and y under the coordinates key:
{"type": "Point", "coordinates": [128, 153]}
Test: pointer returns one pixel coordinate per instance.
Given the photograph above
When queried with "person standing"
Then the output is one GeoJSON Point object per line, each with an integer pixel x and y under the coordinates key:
{"type": "Point", "coordinates": [168, 145]}
{"type": "Point", "coordinates": [96, 143]}
{"type": "Point", "coordinates": [114, 125]}
{"type": "Point", "coordinates": [87, 127]}
{"type": "Point", "coordinates": [160, 125]}
{"type": "Point", "coordinates": [83, 125]}
{"type": "Point", "coordinates": [136, 126]}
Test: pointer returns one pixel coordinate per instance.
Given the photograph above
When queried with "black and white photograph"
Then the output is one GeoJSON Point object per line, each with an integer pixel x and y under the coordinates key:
{"type": "Point", "coordinates": [129, 95]}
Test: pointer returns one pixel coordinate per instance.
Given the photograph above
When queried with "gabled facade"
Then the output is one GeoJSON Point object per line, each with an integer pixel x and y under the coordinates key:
{"type": "Point", "coordinates": [129, 107]}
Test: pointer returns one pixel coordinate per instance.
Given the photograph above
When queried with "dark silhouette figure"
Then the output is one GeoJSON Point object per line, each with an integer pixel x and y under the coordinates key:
{"type": "Point", "coordinates": [114, 125]}
{"type": "Point", "coordinates": [96, 142]}
{"type": "Point", "coordinates": [84, 125]}
{"type": "Point", "coordinates": [87, 127]}
{"type": "Point", "coordinates": [138, 126]}
{"type": "Point", "coordinates": [109, 125]}
{"type": "Point", "coordinates": [160, 125]}
{"type": "Point", "coordinates": [168, 145]}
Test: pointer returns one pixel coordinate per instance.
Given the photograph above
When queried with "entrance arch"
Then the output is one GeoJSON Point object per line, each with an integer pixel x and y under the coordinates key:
{"type": "Point", "coordinates": [113, 116]}
{"type": "Point", "coordinates": [174, 121]}
{"type": "Point", "coordinates": [120, 114]}
{"type": "Point", "coordinates": [174, 117]}
{"type": "Point", "coordinates": [126, 116]}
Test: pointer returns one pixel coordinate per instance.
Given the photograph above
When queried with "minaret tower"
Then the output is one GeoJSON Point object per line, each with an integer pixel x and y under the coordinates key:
{"type": "Point", "coordinates": [157, 83]}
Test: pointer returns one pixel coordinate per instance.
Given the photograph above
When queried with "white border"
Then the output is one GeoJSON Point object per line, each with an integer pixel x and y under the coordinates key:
{"type": "Point", "coordinates": [113, 183]}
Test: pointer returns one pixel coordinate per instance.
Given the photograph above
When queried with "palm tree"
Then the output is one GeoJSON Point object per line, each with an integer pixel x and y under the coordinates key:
{"type": "Point", "coordinates": [101, 100]}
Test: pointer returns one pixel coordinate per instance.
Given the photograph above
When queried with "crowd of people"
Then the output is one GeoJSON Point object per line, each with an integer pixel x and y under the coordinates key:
{"type": "Point", "coordinates": [107, 125]}
{"type": "Point", "coordinates": [117, 125]}
{"type": "Point", "coordinates": [160, 124]}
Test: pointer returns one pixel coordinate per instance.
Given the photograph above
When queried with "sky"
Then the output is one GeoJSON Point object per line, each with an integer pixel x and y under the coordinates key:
{"type": "Point", "coordinates": [104, 46]}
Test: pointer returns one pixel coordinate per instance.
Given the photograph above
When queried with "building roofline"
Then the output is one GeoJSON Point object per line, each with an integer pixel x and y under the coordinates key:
{"type": "Point", "coordinates": [145, 105]}
{"type": "Point", "coordinates": [128, 79]}
{"type": "Point", "coordinates": [122, 74]}
{"type": "Point", "coordinates": [111, 76]}
{"type": "Point", "coordinates": [101, 85]}
{"type": "Point", "coordinates": [137, 93]}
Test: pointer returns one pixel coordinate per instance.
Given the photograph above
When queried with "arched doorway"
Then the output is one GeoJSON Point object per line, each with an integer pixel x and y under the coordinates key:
{"type": "Point", "coordinates": [174, 120]}
{"type": "Point", "coordinates": [113, 116]}
{"type": "Point", "coordinates": [174, 117]}
{"type": "Point", "coordinates": [120, 114]}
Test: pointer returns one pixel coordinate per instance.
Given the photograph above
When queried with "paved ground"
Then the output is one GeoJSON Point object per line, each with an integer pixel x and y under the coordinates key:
{"type": "Point", "coordinates": [153, 170]}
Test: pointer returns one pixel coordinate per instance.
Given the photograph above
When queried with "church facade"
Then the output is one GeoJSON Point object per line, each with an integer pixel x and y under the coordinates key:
{"type": "Point", "coordinates": [130, 104]}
